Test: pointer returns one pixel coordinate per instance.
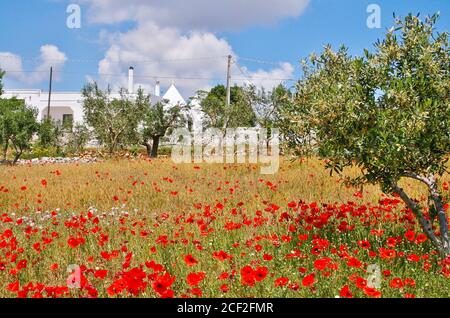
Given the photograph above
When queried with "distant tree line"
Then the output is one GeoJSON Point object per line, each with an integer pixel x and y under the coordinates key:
{"type": "Point", "coordinates": [117, 123]}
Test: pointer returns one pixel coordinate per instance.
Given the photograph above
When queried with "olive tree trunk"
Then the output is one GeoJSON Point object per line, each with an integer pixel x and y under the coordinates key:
{"type": "Point", "coordinates": [155, 147]}
{"type": "Point", "coordinates": [441, 242]}
{"type": "Point", "coordinates": [152, 147]}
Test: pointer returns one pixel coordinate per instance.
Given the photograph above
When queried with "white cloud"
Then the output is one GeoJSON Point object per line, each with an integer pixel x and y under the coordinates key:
{"type": "Point", "coordinates": [178, 57]}
{"type": "Point", "coordinates": [50, 55]}
{"type": "Point", "coordinates": [211, 15]}
{"type": "Point", "coordinates": [267, 79]}
{"type": "Point", "coordinates": [184, 31]}
{"type": "Point", "coordinates": [192, 61]}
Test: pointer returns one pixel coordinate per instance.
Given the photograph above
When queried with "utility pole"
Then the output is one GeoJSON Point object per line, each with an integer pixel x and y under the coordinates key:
{"type": "Point", "coordinates": [50, 92]}
{"type": "Point", "coordinates": [229, 81]}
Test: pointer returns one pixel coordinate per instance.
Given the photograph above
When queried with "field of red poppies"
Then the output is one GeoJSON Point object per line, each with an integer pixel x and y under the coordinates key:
{"type": "Point", "coordinates": [139, 228]}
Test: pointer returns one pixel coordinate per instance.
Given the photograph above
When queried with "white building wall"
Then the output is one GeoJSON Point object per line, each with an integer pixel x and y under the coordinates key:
{"type": "Point", "coordinates": [71, 103]}
{"type": "Point", "coordinates": [61, 103]}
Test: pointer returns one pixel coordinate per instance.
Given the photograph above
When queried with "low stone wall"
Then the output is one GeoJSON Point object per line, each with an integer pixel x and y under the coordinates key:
{"type": "Point", "coordinates": [58, 160]}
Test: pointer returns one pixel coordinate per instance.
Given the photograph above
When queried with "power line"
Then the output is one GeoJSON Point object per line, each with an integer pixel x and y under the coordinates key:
{"type": "Point", "coordinates": [174, 60]}
{"type": "Point", "coordinates": [159, 76]}
{"type": "Point", "coordinates": [85, 60]}
{"type": "Point", "coordinates": [253, 79]}
{"type": "Point", "coordinates": [242, 71]}
{"type": "Point", "coordinates": [253, 60]}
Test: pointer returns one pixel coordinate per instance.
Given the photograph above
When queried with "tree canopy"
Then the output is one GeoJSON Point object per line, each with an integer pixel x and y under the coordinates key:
{"type": "Point", "coordinates": [386, 112]}
{"type": "Point", "coordinates": [267, 104]}
{"type": "Point", "coordinates": [114, 120]}
{"type": "Point", "coordinates": [17, 126]}
{"type": "Point", "coordinates": [220, 115]}
{"type": "Point", "coordinates": [158, 120]}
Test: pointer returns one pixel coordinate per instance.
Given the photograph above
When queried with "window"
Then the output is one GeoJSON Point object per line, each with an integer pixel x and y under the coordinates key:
{"type": "Point", "coordinates": [67, 121]}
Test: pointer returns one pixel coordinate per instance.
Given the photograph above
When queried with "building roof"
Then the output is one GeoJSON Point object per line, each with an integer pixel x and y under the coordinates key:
{"type": "Point", "coordinates": [174, 96]}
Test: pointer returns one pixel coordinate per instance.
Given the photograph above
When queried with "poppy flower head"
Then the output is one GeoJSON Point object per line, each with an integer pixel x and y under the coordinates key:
{"type": "Point", "coordinates": [190, 260]}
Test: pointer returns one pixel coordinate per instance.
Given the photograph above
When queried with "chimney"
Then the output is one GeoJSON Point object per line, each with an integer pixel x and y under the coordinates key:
{"type": "Point", "coordinates": [157, 89]}
{"type": "Point", "coordinates": [131, 80]}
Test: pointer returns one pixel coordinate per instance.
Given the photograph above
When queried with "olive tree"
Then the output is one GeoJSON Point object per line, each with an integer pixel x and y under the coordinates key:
{"type": "Point", "coordinates": [387, 112]}
{"type": "Point", "coordinates": [158, 120]}
{"type": "Point", "coordinates": [218, 114]}
{"type": "Point", "coordinates": [267, 106]}
{"type": "Point", "coordinates": [17, 126]}
{"type": "Point", "coordinates": [50, 134]}
{"type": "Point", "coordinates": [114, 121]}
{"type": "Point", "coordinates": [78, 138]}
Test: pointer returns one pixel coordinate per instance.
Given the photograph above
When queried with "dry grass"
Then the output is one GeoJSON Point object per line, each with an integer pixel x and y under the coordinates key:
{"type": "Point", "coordinates": [140, 185]}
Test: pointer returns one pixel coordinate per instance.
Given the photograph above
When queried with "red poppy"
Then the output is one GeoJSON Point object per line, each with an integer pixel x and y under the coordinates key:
{"type": "Point", "coordinates": [221, 256]}
{"type": "Point", "coordinates": [409, 235]}
{"type": "Point", "coordinates": [190, 260]}
{"type": "Point", "coordinates": [354, 262]}
{"type": "Point", "coordinates": [413, 258]}
{"type": "Point", "coordinates": [13, 287]}
{"type": "Point", "coordinates": [391, 241]}
{"type": "Point", "coordinates": [224, 288]}
{"type": "Point", "coordinates": [292, 205]}
{"type": "Point", "coordinates": [364, 244]}
{"type": "Point", "coordinates": [308, 280]}
{"type": "Point", "coordinates": [387, 253]}
{"type": "Point", "coordinates": [421, 238]}
{"type": "Point", "coordinates": [282, 281]}
{"type": "Point", "coordinates": [409, 282]}
{"type": "Point", "coordinates": [197, 292]}
{"type": "Point", "coordinates": [396, 283]}
{"type": "Point", "coordinates": [100, 274]}
{"type": "Point", "coordinates": [162, 284]}
{"type": "Point", "coordinates": [75, 242]}
{"type": "Point", "coordinates": [248, 277]}
{"type": "Point", "coordinates": [345, 292]}
{"type": "Point", "coordinates": [224, 276]}
{"type": "Point", "coordinates": [372, 292]}
{"type": "Point", "coordinates": [260, 273]}
{"type": "Point", "coordinates": [22, 264]}
{"type": "Point", "coordinates": [322, 263]}
{"type": "Point", "coordinates": [303, 237]}
{"type": "Point", "coordinates": [157, 268]}
{"type": "Point", "coordinates": [194, 279]}
{"type": "Point", "coordinates": [361, 283]}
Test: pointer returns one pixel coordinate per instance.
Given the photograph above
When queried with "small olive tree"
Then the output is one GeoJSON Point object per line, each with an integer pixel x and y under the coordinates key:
{"type": "Point", "coordinates": [78, 138]}
{"type": "Point", "coordinates": [387, 112]}
{"type": "Point", "coordinates": [222, 116]}
{"type": "Point", "coordinates": [158, 120]}
{"type": "Point", "coordinates": [267, 106]}
{"type": "Point", "coordinates": [114, 121]}
{"type": "Point", "coordinates": [50, 134]}
{"type": "Point", "coordinates": [17, 126]}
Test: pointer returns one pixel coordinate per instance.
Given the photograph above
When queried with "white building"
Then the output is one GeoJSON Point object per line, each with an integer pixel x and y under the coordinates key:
{"type": "Point", "coordinates": [68, 106]}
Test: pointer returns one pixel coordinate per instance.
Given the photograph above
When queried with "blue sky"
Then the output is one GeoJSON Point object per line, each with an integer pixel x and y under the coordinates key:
{"type": "Point", "coordinates": [284, 33]}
